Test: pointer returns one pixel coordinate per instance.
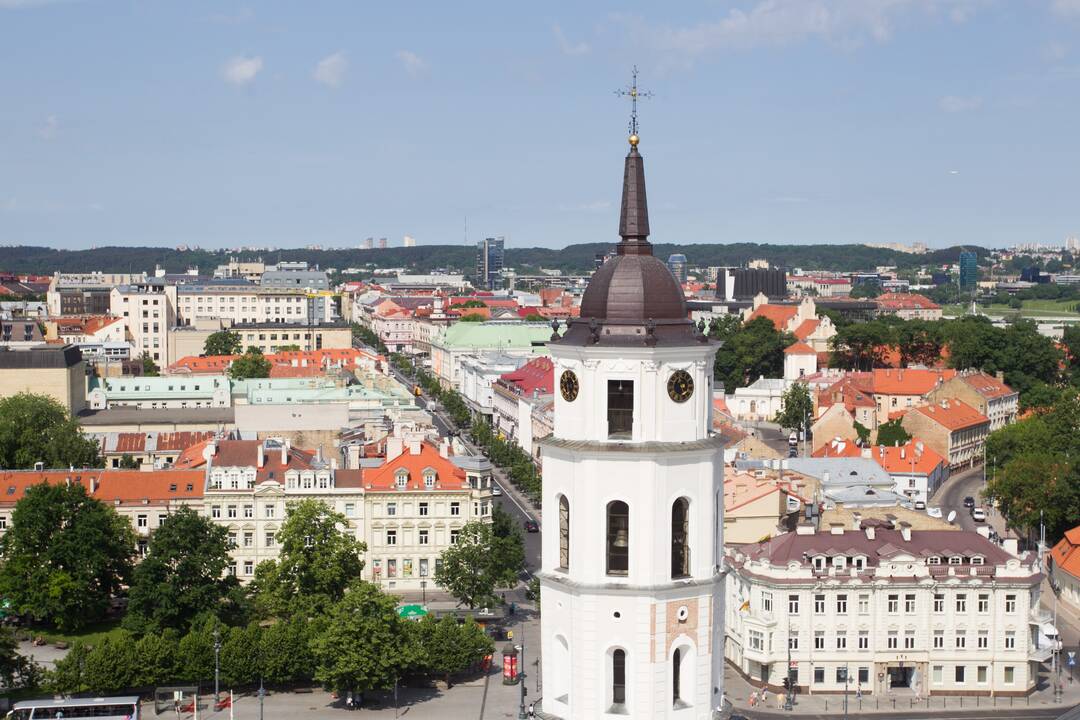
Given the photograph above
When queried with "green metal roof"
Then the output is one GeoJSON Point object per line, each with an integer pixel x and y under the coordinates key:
{"type": "Point", "coordinates": [496, 335]}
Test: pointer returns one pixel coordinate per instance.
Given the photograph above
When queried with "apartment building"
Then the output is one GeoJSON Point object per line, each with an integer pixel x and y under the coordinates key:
{"type": "Point", "coordinates": [56, 371]}
{"type": "Point", "coordinates": [148, 311]}
{"type": "Point", "coordinates": [986, 393]}
{"type": "Point", "coordinates": [908, 306]}
{"type": "Point", "coordinates": [159, 393]}
{"type": "Point", "coordinates": [953, 429]}
{"type": "Point", "coordinates": [886, 610]}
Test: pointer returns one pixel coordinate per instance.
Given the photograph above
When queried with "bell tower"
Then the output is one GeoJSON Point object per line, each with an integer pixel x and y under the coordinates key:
{"type": "Point", "coordinates": [631, 583]}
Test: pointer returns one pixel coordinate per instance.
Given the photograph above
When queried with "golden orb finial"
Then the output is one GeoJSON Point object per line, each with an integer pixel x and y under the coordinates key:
{"type": "Point", "coordinates": [634, 139]}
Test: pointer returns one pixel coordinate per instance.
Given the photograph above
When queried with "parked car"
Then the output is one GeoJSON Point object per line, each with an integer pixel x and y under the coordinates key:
{"type": "Point", "coordinates": [531, 526]}
{"type": "Point", "coordinates": [496, 490]}
{"type": "Point", "coordinates": [969, 502]}
{"type": "Point", "coordinates": [920, 505]}
{"type": "Point", "coordinates": [978, 514]}
{"type": "Point", "coordinates": [793, 452]}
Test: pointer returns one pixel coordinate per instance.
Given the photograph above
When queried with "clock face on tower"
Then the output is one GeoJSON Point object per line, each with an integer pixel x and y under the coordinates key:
{"type": "Point", "coordinates": [680, 386]}
{"type": "Point", "coordinates": [568, 384]}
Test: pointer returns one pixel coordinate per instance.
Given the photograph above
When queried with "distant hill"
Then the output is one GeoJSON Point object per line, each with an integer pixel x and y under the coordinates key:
{"type": "Point", "coordinates": [574, 258]}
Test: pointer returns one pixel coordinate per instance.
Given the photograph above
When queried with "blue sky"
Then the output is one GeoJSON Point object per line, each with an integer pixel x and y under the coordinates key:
{"type": "Point", "coordinates": [286, 124]}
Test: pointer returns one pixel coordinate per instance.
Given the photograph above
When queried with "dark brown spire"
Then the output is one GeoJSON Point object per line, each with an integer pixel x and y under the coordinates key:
{"type": "Point", "coordinates": [634, 218]}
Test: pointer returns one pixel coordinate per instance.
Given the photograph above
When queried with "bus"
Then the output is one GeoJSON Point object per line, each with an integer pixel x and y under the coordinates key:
{"type": "Point", "coordinates": [104, 708]}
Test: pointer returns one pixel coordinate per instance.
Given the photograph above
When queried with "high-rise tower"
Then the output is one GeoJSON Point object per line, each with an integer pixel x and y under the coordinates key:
{"type": "Point", "coordinates": [631, 584]}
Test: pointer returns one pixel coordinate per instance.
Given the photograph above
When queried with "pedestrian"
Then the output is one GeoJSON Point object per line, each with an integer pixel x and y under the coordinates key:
{"type": "Point", "coordinates": [753, 698]}
{"type": "Point", "coordinates": [764, 696]}
{"type": "Point", "coordinates": [780, 701]}
{"type": "Point", "coordinates": [858, 691]}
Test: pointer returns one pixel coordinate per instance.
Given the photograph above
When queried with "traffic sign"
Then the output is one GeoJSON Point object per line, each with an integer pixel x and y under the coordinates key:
{"type": "Point", "coordinates": [1072, 658]}
{"type": "Point", "coordinates": [793, 664]}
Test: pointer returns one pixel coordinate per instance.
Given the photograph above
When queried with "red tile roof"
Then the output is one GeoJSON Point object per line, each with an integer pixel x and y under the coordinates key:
{"type": "Point", "coordinates": [987, 385]}
{"type": "Point", "coordinates": [779, 314]}
{"type": "Point", "coordinates": [126, 486]}
{"type": "Point", "coordinates": [299, 360]}
{"type": "Point", "coordinates": [806, 328]}
{"type": "Point", "coordinates": [448, 476]}
{"type": "Point", "coordinates": [537, 374]}
{"type": "Point", "coordinates": [799, 348]}
{"type": "Point", "coordinates": [952, 414]}
{"type": "Point", "coordinates": [1066, 554]}
{"type": "Point", "coordinates": [909, 381]}
{"type": "Point", "coordinates": [905, 301]}
{"type": "Point", "coordinates": [245, 453]}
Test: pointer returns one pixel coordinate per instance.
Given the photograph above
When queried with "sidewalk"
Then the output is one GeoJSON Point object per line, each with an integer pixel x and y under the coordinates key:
{"type": "Point", "coordinates": [738, 691]}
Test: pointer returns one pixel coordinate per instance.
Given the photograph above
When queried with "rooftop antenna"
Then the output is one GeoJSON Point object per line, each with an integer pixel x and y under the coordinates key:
{"type": "Point", "coordinates": [632, 92]}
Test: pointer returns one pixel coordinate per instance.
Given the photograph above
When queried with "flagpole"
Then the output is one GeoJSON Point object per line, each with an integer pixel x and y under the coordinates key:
{"type": "Point", "coordinates": [230, 705]}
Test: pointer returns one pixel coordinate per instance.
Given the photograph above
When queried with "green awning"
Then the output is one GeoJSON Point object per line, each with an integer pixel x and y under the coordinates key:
{"type": "Point", "coordinates": [412, 611]}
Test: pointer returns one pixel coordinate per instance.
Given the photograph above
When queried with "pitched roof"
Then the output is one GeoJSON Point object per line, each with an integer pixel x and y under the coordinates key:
{"type": "Point", "coordinates": [537, 374]}
{"type": "Point", "coordinates": [799, 348]}
{"type": "Point", "coordinates": [914, 457]}
{"type": "Point", "coordinates": [905, 301]}
{"type": "Point", "coordinates": [110, 486]}
{"type": "Point", "coordinates": [245, 453]}
{"type": "Point", "coordinates": [908, 381]}
{"type": "Point", "coordinates": [952, 414]}
{"type": "Point", "coordinates": [792, 547]}
{"type": "Point", "coordinates": [780, 315]}
{"type": "Point", "coordinates": [806, 328]}
{"type": "Point", "coordinates": [1066, 554]}
{"type": "Point", "coordinates": [987, 385]}
{"type": "Point", "coordinates": [448, 476]}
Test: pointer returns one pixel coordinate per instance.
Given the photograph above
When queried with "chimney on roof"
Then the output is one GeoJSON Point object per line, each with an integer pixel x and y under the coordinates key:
{"type": "Point", "coordinates": [905, 531]}
{"type": "Point", "coordinates": [414, 446]}
{"type": "Point", "coordinates": [444, 448]}
{"type": "Point", "coordinates": [261, 458]}
{"type": "Point", "coordinates": [1000, 375]}
{"type": "Point", "coordinates": [394, 448]}
{"type": "Point", "coordinates": [944, 404]}
{"type": "Point", "coordinates": [93, 484]}
{"type": "Point", "coordinates": [919, 447]}
{"type": "Point", "coordinates": [903, 453]}
{"type": "Point", "coordinates": [836, 528]}
{"type": "Point", "coordinates": [870, 532]}
{"type": "Point", "coordinates": [285, 453]}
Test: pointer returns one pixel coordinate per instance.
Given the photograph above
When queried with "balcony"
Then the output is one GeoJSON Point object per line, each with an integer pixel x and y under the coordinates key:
{"type": "Point", "coordinates": [1040, 654]}
{"type": "Point", "coordinates": [1040, 615]}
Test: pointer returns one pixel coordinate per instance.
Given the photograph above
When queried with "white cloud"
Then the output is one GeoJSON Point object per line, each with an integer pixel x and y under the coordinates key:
{"type": "Point", "coordinates": [413, 63]}
{"type": "Point", "coordinates": [48, 128]}
{"type": "Point", "coordinates": [958, 104]}
{"type": "Point", "coordinates": [330, 71]}
{"type": "Point", "coordinates": [241, 70]}
{"type": "Point", "coordinates": [567, 47]}
{"type": "Point", "coordinates": [1066, 8]}
{"type": "Point", "coordinates": [772, 23]}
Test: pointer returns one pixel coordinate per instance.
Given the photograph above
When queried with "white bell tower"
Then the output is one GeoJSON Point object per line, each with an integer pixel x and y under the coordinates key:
{"type": "Point", "coordinates": [631, 584]}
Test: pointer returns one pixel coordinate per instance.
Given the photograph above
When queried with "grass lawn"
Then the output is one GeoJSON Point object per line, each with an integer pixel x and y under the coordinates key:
{"type": "Point", "coordinates": [90, 635]}
{"type": "Point", "coordinates": [1031, 309]}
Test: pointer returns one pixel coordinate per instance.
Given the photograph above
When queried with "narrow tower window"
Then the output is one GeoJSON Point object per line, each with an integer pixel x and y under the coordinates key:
{"type": "Point", "coordinates": [564, 533]}
{"type": "Point", "coordinates": [680, 538]}
{"type": "Point", "coordinates": [618, 538]}
{"type": "Point", "coordinates": [618, 677]}
{"type": "Point", "coordinates": [676, 660]}
{"type": "Point", "coordinates": [620, 408]}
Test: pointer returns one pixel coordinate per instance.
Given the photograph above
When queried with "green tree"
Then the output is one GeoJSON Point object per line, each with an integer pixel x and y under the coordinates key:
{"type": "Point", "coordinates": [66, 677]}
{"type": "Point", "coordinates": [749, 351]}
{"type": "Point", "coordinates": [36, 428]}
{"type": "Point", "coordinates": [364, 644]}
{"type": "Point", "coordinates": [317, 562]}
{"type": "Point", "coordinates": [293, 347]}
{"type": "Point", "coordinates": [222, 342]}
{"type": "Point", "coordinates": [111, 664]}
{"type": "Point", "coordinates": [863, 433]}
{"type": "Point", "coordinates": [860, 346]}
{"type": "Point", "coordinates": [919, 342]}
{"type": "Point", "coordinates": [451, 647]}
{"type": "Point", "coordinates": [285, 652]}
{"type": "Point", "coordinates": [798, 408]}
{"type": "Point", "coordinates": [535, 317]}
{"type": "Point", "coordinates": [196, 652]}
{"type": "Point", "coordinates": [892, 433]}
{"type": "Point", "coordinates": [252, 364]}
{"type": "Point", "coordinates": [240, 655]}
{"type": "Point", "coordinates": [64, 556]}
{"type": "Point", "coordinates": [127, 462]}
{"type": "Point", "coordinates": [478, 563]}
{"type": "Point", "coordinates": [367, 336]}
{"type": "Point", "coordinates": [149, 367]}
{"type": "Point", "coordinates": [472, 317]}
{"type": "Point", "coordinates": [1038, 487]}
{"type": "Point", "coordinates": [16, 671]}
{"type": "Point", "coordinates": [865, 290]}
{"type": "Point", "coordinates": [182, 575]}
{"type": "Point", "coordinates": [156, 658]}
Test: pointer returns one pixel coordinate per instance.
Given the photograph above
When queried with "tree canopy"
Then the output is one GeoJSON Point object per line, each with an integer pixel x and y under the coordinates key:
{"type": "Point", "coordinates": [64, 556]}
{"type": "Point", "coordinates": [252, 364]}
{"type": "Point", "coordinates": [223, 342]}
{"type": "Point", "coordinates": [798, 408]}
{"type": "Point", "coordinates": [318, 561]}
{"type": "Point", "coordinates": [183, 574]}
{"type": "Point", "coordinates": [749, 351]}
{"type": "Point", "coordinates": [892, 433]}
{"type": "Point", "coordinates": [479, 563]}
{"type": "Point", "coordinates": [36, 428]}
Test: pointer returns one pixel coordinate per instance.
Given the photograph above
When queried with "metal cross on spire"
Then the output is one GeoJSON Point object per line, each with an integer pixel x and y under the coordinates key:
{"type": "Point", "coordinates": [633, 93]}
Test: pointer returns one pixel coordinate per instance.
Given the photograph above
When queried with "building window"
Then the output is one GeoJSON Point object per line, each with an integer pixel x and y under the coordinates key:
{"type": "Point", "coordinates": [982, 640]}
{"type": "Point", "coordinates": [1010, 674]}
{"type": "Point", "coordinates": [909, 604]}
{"type": "Point", "coordinates": [232, 539]}
{"type": "Point", "coordinates": [819, 639]}
{"type": "Point", "coordinates": [676, 660]}
{"type": "Point", "coordinates": [757, 640]}
{"type": "Point", "coordinates": [269, 511]}
{"type": "Point", "coordinates": [423, 567]}
{"type": "Point", "coordinates": [618, 677]}
{"type": "Point", "coordinates": [864, 639]}
{"type": "Point", "coordinates": [454, 536]}
{"type": "Point", "coordinates": [350, 509]}
{"type": "Point", "coordinates": [819, 675]}
{"type": "Point", "coordinates": [215, 511]}
{"type": "Point", "coordinates": [249, 511]}
{"type": "Point", "coordinates": [618, 538]}
{"type": "Point", "coordinates": [864, 604]}
{"type": "Point", "coordinates": [1010, 639]}
{"type": "Point", "coordinates": [230, 511]}
{"type": "Point", "coordinates": [961, 639]}
{"type": "Point", "coordinates": [793, 641]}
{"type": "Point", "coordinates": [841, 604]}
{"type": "Point", "coordinates": [893, 641]}
{"type": "Point", "coordinates": [894, 604]}
{"type": "Point", "coordinates": [564, 533]}
{"type": "Point", "coordinates": [429, 480]}
{"type": "Point", "coordinates": [841, 674]}
{"type": "Point", "coordinates": [269, 539]}
{"type": "Point", "coordinates": [959, 674]}
{"type": "Point", "coordinates": [391, 537]}
{"type": "Point", "coordinates": [423, 509]}
{"type": "Point", "coordinates": [766, 603]}
{"type": "Point", "coordinates": [402, 480]}
{"type": "Point", "coordinates": [391, 509]}
{"type": "Point", "coordinates": [455, 509]}
{"type": "Point", "coordinates": [936, 674]}
{"type": "Point", "coordinates": [680, 538]}
{"type": "Point", "coordinates": [819, 604]}
{"type": "Point", "coordinates": [141, 521]}
{"type": "Point", "coordinates": [939, 602]}
{"type": "Point", "coordinates": [984, 603]}
{"type": "Point", "coordinates": [961, 603]}
{"type": "Point", "coordinates": [793, 604]}
{"type": "Point", "coordinates": [620, 408]}
{"type": "Point", "coordinates": [249, 539]}
{"type": "Point", "coordinates": [249, 567]}
{"type": "Point", "coordinates": [841, 641]}
{"type": "Point", "coordinates": [909, 639]}
{"type": "Point", "coordinates": [864, 675]}
{"type": "Point", "coordinates": [1010, 603]}
{"type": "Point", "coordinates": [422, 537]}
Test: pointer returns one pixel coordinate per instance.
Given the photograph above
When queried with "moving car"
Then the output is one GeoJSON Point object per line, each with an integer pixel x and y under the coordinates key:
{"type": "Point", "coordinates": [532, 526]}
{"type": "Point", "coordinates": [920, 505]}
{"type": "Point", "coordinates": [978, 514]}
{"type": "Point", "coordinates": [496, 491]}
{"type": "Point", "coordinates": [969, 502]}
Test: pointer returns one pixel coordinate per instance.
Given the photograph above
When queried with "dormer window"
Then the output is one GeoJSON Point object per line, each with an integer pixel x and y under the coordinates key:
{"type": "Point", "coordinates": [401, 480]}
{"type": "Point", "coordinates": [933, 560]}
{"type": "Point", "coordinates": [839, 561]}
{"type": "Point", "coordinates": [977, 560]}
{"type": "Point", "coordinates": [819, 562]}
{"type": "Point", "coordinates": [429, 478]}
{"type": "Point", "coordinates": [956, 560]}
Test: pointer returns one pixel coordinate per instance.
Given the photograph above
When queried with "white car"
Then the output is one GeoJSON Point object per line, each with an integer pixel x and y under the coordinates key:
{"type": "Point", "coordinates": [978, 514]}
{"type": "Point", "coordinates": [496, 491]}
{"type": "Point", "coordinates": [933, 512]}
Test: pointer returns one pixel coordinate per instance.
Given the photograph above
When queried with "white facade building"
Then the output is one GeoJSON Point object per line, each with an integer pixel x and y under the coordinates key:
{"type": "Point", "coordinates": [943, 612]}
{"type": "Point", "coordinates": [631, 600]}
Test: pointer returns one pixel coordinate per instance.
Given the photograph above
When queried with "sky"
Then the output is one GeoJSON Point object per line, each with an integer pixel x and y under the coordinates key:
{"type": "Point", "coordinates": [286, 124]}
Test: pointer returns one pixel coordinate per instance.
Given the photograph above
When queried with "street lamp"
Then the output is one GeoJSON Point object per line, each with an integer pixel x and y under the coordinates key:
{"type": "Point", "coordinates": [521, 649]}
{"type": "Point", "coordinates": [217, 664]}
{"type": "Point", "coordinates": [423, 589]}
{"type": "Point", "coordinates": [845, 690]}
{"type": "Point", "coordinates": [262, 694]}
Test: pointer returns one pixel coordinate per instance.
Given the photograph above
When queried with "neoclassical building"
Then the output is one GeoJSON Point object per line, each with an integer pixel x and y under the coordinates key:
{"type": "Point", "coordinates": [631, 584]}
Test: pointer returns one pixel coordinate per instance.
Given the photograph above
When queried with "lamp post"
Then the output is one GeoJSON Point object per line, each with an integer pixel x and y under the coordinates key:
{"type": "Point", "coordinates": [423, 589]}
{"type": "Point", "coordinates": [262, 694]}
{"type": "Point", "coordinates": [521, 649]}
{"type": "Point", "coordinates": [789, 686]}
{"type": "Point", "coordinates": [845, 690]}
{"type": "Point", "coordinates": [217, 664]}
